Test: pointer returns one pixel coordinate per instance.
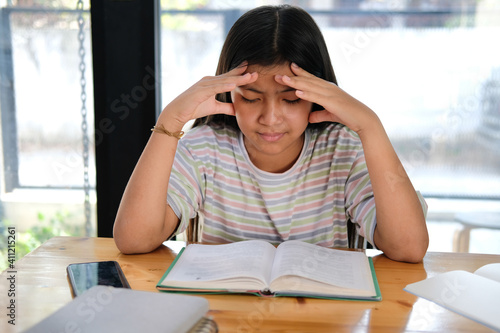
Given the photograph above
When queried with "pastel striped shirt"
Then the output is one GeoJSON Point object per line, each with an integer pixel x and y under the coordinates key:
{"type": "Point", "coordinates": [326, 188]}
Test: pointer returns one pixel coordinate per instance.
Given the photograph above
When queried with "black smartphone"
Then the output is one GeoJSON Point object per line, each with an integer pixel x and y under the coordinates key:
{"type": "Point", "coordinates": [83, 276]}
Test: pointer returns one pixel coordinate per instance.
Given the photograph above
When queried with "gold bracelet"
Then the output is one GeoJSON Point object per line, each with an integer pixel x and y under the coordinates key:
{"type": "Point", "coordinates": [161, 129]}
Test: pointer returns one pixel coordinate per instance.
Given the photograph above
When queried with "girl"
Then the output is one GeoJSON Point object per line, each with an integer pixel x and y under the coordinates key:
{"type": "Point", "coordinates": [278, 151]}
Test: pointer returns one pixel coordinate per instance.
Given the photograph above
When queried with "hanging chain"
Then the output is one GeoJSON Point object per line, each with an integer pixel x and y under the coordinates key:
{"type": "Point", "coordinates": [84, 126]}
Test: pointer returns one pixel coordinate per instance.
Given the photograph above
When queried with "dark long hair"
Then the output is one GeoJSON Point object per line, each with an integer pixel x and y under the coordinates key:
{"type": "Point", "coordinates": [272, 35]}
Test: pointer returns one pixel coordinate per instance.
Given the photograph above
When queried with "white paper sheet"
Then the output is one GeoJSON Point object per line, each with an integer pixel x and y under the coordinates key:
{"type": "Point", "coordinates": [468, 294]}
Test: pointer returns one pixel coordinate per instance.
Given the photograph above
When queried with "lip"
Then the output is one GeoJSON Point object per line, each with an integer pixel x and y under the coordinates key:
{"type": "Point", "coordinates": [271, 137]}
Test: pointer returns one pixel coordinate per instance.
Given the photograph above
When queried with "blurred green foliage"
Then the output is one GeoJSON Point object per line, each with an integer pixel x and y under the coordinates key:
{"type": "Point", "coordinates": [33, 237]}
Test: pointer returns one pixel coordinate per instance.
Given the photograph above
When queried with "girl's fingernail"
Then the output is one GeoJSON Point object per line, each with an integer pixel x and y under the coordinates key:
{"type": "Point", "coordinates": [295, 65]}
{"type": "Point", "coordinates": [286, 78]}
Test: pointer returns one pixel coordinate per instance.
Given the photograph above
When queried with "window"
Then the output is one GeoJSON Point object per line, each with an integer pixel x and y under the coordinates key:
{"type": "Point", "coordinates": [46, 102]}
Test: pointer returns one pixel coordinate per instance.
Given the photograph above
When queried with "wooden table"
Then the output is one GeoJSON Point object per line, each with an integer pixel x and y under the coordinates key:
{"type": "Point", "coordinates": [41, 288]}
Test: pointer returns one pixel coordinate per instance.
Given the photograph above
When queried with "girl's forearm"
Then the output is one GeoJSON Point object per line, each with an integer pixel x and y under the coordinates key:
{"type": "Point", "coordinates": [144, 220]}
{"type": "Point", "coordinates": [401, 230]}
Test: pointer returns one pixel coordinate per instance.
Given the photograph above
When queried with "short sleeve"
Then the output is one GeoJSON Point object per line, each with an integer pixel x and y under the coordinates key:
{"type": "Point", "coordinates": [359, 199]}
{"type": "Point", "coordinates": [185, 186]}
{"type": "Point", "coordinates": [422, 203]}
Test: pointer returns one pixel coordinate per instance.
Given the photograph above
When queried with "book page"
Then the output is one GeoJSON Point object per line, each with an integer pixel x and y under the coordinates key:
{"type": "Point", "coordinates": [199, 263]}
{"type": "Point", "coordinates": [346, 269]}
{"type": "Point", "coordinates": [490, 271]}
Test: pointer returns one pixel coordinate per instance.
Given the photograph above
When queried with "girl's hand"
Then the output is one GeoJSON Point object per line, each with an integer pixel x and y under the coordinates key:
{"type": "Point", "coordinates": [199, 100]}
{"type": "Point", "coordinates": [338, 105]}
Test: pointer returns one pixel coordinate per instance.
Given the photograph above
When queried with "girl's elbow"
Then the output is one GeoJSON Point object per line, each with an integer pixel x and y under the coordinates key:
{"type": "Point", "coordinates": [416, 255]}
{"type": "Point", "coordinates": [122, 242]}
{"type": "Point", "coordinates": [132, 246]}
{"type": "Point", "coordinates": [418, 247]}
{"type": "Point", "coordinates": [126, 241]}
{"type": "Point", "coordinates": [420, 250]}
{"type": "Point", "coordinates": [413, 252]}
{"type": "Point", "coordinates": [136, 241]}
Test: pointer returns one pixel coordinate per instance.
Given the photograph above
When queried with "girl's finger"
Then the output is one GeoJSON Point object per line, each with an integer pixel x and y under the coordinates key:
{"type": "Point", "coordinates": [306, 83]}
{"type": "Point", "coordinates": [224, 108]}
{"type": "Point", "coordinates": [300, 71]}
{"type": "Point", "coordinates": [312, 96]}
{"type": "Point", "coordinates": [220, 84]}
{"type": "Point", "coordinates": [241, 68]}
{"type": "Point", "coordinates": [238, 75]}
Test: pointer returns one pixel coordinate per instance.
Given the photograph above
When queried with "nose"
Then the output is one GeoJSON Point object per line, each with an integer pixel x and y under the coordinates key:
{"type": "Point", "coordinates": [270, 114]}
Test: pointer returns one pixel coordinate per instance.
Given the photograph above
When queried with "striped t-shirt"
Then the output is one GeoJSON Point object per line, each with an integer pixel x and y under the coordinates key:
{"type": "Point", "coordinates": [326, 188]}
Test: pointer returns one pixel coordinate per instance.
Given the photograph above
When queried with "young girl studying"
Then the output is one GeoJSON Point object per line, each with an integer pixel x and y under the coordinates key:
{"type": "Point", "coordinates": [277, 152]}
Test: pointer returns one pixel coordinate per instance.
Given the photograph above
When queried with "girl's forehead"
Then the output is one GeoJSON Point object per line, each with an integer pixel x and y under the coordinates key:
{"type": "Point", "coordinates": [282, 69]}
{"type": "Point", "coordinates": [266, 84]}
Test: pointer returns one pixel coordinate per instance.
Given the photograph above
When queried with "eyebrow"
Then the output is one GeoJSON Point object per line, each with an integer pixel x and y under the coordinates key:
{"type": "Point", "coordinates": [255, 90]}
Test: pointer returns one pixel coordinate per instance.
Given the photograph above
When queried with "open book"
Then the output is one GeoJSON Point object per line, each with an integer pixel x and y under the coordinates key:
{"type": "Point", "coordinates": [473, 295]}
{"type": "Point", "coordinates": [294, 268]}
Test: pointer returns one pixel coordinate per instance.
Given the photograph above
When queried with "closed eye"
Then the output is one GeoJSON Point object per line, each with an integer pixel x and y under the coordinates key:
{"type": "Point", "coordinates": [246, 100]}
{"type": "Point", "coordinates": [295, 101]}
